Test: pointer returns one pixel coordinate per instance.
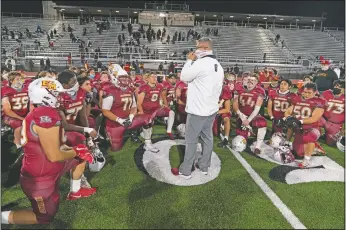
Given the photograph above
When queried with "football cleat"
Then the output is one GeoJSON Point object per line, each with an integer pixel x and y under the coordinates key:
{"type": "Point", "coordinates": [223, 144]}
{"type": "Point", "coordinates": [135, 138]}
{"type": "Point", "coordinates": [82, 193]}
{"type": "Point", "coordinates": [257, 151]}
{"type": "Point", "coordinates": [84, 182]}
{"type": "Point", "coordinates": [319, 150]}
{"type": "Point", "coordinates": [150, 147]}
{"type": "Point", "coordinates": [304, 164]}
{"type": "Point", "coordinates": [170, 135]}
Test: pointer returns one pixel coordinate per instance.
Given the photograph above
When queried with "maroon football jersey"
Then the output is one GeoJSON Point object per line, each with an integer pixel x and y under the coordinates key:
{"type": "Point", "coordinates": [72, 105]}
{"type": "Point", "coordinates": [170, 90]}
{"type": "Point", "coordinates": [183, 87]}
{"type": "Point", "coordinates": [151, 100]}
{"type": "Point", "coordinates": [272, 88]}
{"type": "Point", "coordinates": [335, 107]}
{"type": "Point", "coordinates": [280, 102]}
{"type": "Point", "coordinates": [19, 100]}
{"type": "Point", "coordinates": [122, 101]}
{"type": "Point", "coordinates": [225, 95]}
{"type": "Point", "coordinates": [35, 163]}
{"type": "Point", "coordinates": [247, 99]}
{"type": "Point", "coordinates": [303, 108]}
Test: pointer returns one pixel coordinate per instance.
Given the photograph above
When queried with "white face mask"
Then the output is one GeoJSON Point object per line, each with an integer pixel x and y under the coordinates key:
{"type": "Point", "coordinates": [203, 53]}
{"type": "Point", "coordinates": [72, 91]}
{"type": "Point", "coordinates": [325, 67]}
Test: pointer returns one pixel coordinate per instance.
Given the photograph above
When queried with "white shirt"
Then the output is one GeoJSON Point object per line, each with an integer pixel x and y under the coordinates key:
{"type": "Point", "coordinates": [205, 79]}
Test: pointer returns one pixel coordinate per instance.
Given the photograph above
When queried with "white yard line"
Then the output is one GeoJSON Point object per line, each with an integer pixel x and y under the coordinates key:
{"type": "Point", "coordinates": [285, 211]}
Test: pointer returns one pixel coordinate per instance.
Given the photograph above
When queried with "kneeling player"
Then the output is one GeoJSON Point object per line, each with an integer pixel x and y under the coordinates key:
{"type": "Point", "coordinates": [247, 104]}
{"type": "Point", "coordinates": [303, 117]}
{"type": "Point", "coordinates": [149, 97]}
{"type": "Point", "coordinates": [168, 99]}
{"type": "Point", "coordinates": [278, 102]}
{"type": "Point", "coordinates": [47, 159]}
{"type": "Point", "coordinates": [181, 96]}
{"type": "Point", "coordinates": [223, 116]}
{"type": "Point", "coordinates": [119, 107]}
{"type": "Point", "coordinates": [15, 102]}
{"type": "Point", "coordinates": [334, 113]}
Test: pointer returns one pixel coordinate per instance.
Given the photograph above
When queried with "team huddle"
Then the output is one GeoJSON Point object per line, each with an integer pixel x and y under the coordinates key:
{"type": "Point", "coordinates": [58, 121]}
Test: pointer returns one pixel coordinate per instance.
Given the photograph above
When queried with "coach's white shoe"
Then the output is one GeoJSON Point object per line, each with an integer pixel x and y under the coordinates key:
{"type": "Point", "coordinates": [150, 147]}
{"type": "Point", "coordinates": [184, 176]}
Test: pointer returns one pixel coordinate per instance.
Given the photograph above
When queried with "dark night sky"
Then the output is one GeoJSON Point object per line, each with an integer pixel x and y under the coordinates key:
{"type": "Point", "coordinates": [334, 9]}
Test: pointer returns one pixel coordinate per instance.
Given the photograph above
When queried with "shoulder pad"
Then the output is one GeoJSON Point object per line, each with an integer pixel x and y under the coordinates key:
{"type": "Point", "coordinates": [7, 91]}
{"type": "Point", "coordinates": [143, 88]}
{"type": "Point", "coordinates": [46, 117]}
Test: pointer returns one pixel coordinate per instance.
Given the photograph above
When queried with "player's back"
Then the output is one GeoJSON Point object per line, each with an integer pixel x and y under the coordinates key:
{"type": "Point", "coordinates": [35, 163]}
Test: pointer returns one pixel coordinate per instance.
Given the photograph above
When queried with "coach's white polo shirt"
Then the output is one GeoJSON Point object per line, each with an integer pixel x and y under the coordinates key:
{"type": "Point", "coordinates": [205, 79]}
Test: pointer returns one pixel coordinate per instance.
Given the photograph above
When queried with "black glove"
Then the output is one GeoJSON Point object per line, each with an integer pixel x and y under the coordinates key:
{"type": "Point", "coordinates": [280, 123]}
{"type": "Point", "coordinates": [293, 123]}
{"type": "Point", "coordinates": [127, 122]}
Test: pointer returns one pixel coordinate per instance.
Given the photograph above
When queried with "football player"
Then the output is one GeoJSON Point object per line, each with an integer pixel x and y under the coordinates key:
{"type": "Point", "coordinates": [223, 116]}
{"type": "Point", "coordinates": [230, 81]}
{"type": "Point", "coordinates": [119, 107]}
{"type": "Point", "coordinates": [247, 104]}
{"type": "Point", "coordinates": [73, 105]}
{"type": "Point", "coordinates": [334, 113]}
{"type": "Point", "coordinates": [181, 96]}
{"type": "Point", "coordinates": [306, 79]}
{"type": "Point", "coordinates": [303, 117]}
{"type": "Point", "coordinates": [149, 97]}
{"type": "Point", "coordinates": [168, 94]}
{"type": "Point", "coordinates": [46, 158]}
{"type": "Point", "coordinates": [85, 84]}
{"type": "Point", "coordinates": [15, 103]}
{"type": "Point", "coordinates": [278, 102]}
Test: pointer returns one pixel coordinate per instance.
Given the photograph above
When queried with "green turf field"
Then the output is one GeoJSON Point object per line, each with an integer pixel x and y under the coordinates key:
{"type": "Point", "coordinates": [128, 198]}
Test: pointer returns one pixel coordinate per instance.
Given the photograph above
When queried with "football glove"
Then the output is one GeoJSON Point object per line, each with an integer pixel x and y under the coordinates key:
{"type": "Point", "coordinates": [293, 123]}
{"type": "Point", "coordinates": [124, 122]}
{"type": "Point", "coordinates": [83, 153]}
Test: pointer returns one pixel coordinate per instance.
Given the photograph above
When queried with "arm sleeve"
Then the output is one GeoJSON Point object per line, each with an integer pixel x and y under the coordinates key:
{"type": "Point", "coordinates": [189, 71]}
{"type": "Point", "coordinates": [107, 103]}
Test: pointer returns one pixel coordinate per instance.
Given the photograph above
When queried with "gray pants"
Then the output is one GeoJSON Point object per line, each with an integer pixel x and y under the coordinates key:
{"type": "Point", "coordinates": [198, 126]}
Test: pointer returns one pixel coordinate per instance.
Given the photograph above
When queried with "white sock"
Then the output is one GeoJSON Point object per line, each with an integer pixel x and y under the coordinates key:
{"type": "Point", "coordinates": [75, 185]}
{"type": "Point", "coordinates": [4, 217]}
{"type": "Point", "coordinates": [18, 146]}
{"type": "Point", "coordinates": [260, 137]}
{"type": "Point", "coordinates": [147, 133]}
{"type": "Point", "coordinates": [307, 158]}
{"type": "Point", "coordinates": [170, 121]}
{"type": "Point", "coordinates": [226, 137]}
{"type": "Point", "coordinates": [147, 142]}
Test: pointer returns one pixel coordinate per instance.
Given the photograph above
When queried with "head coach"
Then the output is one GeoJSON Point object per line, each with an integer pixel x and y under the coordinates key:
{"type": "Point", "coordinates": [204, 76]}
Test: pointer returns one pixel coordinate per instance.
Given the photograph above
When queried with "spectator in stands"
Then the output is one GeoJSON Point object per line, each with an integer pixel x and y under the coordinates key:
{"type": "Point", "coordinates": [236, 69]}
{"type": "Point", "coordinates": [69, 59]}
{"type": "Point", "coordinates": [41, 64]}
{"type": "Point", "coordinates": [99, 66]}
{"type": "Point", "coordinates": [325, 77]}
{"type": "Point", "coordinates": [165, 21]}
{"type": "Point", "coordinates": [168, 39]}
{"type": "Point", "coordinates": [69, 28]}
{"type": "Point", "coordinates": [47, 67]}
{"type": "Point", "coordinates": [63, 27]}
{"type": "Point", "coordinates": [264, 57]}
{"type": "Point", "coordinates": [283, 44]}
{"type": "Point", "coordinates": [12, 34]}
{"type": "Point", "coordinates": [31, 65]}
{"type": "Point", "coordinates": [161, 66]}
{"type": "Point", "coordinates": [141, 68]}
{"type": "Point", "coordinates": [51, 45]}
{"type": "Point", "coordinates": [122, 26]}
{"type": "Point", "coordinates": [54, 31]}
{"type": "Point", "coordinates": [84, 31]}
{"type": "Point", "coordinates": [342, 71]}
{"type": "Point", "coordinates": [38, 30]}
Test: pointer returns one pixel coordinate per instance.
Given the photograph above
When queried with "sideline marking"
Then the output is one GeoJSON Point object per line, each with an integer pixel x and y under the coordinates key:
{"type": "Point", "coordinates": [285, 211]}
